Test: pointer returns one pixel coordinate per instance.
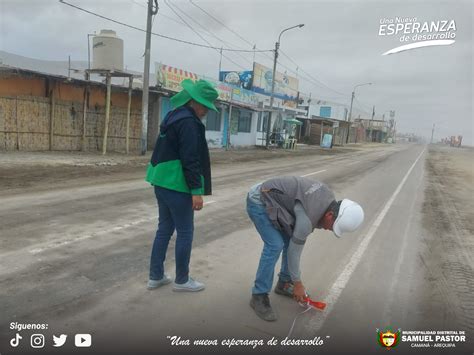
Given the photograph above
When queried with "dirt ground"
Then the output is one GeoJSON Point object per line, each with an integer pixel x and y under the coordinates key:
{"type": "Point", "coordinates": [85, 247]}
{"type": "Point", "coordinates": [448, 218]}
{"type": "Point", "coordinates": [21, 172]}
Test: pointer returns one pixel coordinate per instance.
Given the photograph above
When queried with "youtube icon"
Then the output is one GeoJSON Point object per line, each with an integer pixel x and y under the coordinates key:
{"type": "Point", "coordinates": [83, 340]}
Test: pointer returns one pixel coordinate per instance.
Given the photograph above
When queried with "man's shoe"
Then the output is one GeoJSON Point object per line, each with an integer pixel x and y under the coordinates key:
{"type": "Point", "coordinates": [284, 288]}
{"type": "Point", "coordinates": [152, 284]}
{"type": "Point", "coordinates": [190, 286]}
{"type": "Point", "coordinates": [261, 305]}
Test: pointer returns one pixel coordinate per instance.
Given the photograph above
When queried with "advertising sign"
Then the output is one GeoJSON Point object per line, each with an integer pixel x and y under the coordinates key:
{"type": "Point", "coordinates": [170, 78]}
{"type": "Point", "coordinates": [242, 79]}
{"type": "Point", "coordinates": [286, 87]}
{"type": "Point", "coordinates": [245, 97]}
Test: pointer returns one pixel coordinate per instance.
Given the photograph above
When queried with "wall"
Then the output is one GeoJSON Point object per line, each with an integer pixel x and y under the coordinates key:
{"type": "Point", "coordinates": [160, 106]}
{"type": "Point", "coordinates": [31, 105]}
{"type": "Point", "coordinates": [315, 132]}
{"type": "Point", "coordinates": [246, 139]}
{"type": "Point", "coordinates": [154, 118]}
{"type": "Point", "coordinates": [361, 134]}
{"type": "Point", "coordinates": [13, 86]}
{"type": "Point", "coordinates": [17, 131]}
{"type": "Point", "coordinates": [214, 139]}
{"type": "Point", "coordinates": [338, 111]}
{"type": "Point", "coordinates": [340, 135]}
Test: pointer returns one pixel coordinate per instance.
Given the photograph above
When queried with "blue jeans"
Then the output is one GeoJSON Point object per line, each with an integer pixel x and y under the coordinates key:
{"type": "Point", "coordinates": [175, 212]}
{"type": "Point", "coordinates": [274, 243]}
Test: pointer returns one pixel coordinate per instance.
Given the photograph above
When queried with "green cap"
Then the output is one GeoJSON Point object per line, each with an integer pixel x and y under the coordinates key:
{"type": "Point", "coordinates": [200, 91]}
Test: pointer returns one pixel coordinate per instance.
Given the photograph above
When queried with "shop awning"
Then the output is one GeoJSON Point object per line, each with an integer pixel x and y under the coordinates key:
{"type": "Point", "coordinates": [293, 121]}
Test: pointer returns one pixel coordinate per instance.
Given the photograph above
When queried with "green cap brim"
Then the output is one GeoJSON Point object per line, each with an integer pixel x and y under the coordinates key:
{"type": "Point", "coordinates": [180, 99]}
{"type": "Point", "coordinates": [188, 86]}
{"type": "Point", "coordinates": [211, 107]}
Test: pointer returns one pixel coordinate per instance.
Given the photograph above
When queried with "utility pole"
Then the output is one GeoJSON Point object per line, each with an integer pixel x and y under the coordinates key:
{"type": "Point", "coordinates": [432, 133]}
{"type": "Point", "coordinates": [350, 111]}
{"type": "Point", "coordinates": [107, 112]}
{"type": "Point", "coordinates": [277, 45]}
{"type": "Point", "coordinates": [69, 68]}
{"type": "Point", "coordinates": [350, 116]}
{"type": "Point", "coordinates": [373, 114]}
{"type": "Point", "coordinates": [275, 57]}
{"type": "Point", "coordinates": [146, 75]}
{"type": "Point", "coordinates": [220, 66]}
{"type": "Point", "coordinates": [308, 113]}
{"type": "Point", "coordinates": [229, 121]}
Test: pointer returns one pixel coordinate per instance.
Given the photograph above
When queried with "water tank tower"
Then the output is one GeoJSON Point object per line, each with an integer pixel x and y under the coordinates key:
{"type": "Point", "coordinates": [107, 51]}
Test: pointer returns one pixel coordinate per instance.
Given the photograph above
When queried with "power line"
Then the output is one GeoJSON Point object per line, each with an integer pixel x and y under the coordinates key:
{"type": "Point", "coordinates": [187, 24]}
{"type": "Point", "coordinates": [322, 98]}
{"type": "Point", "coordinates": [248, 42]}
{"type": "Point", "coordinates": [139, 4]}
{"type": "Point", "coordinates": [365, 106]}
{"type": "Point", "coordinates": [313, 84]}
{"type": "Point", "coordinates": [161, 14]}
{"type": "Point", "coordinates": [254, 46]}
{"type": "Point", "coordinates": [221, 23]}
{"type": "Point", "coordinates": [169, 18]}
{"type": "Point", "coordinates": [313, 80]}
{"type": "Point", "coordinates": [205, 30]}
{"type": "Point", "coordinates": [310, 76]}
{"type": "Point", "coordinates": [362, 108]}
{"type": "Point", "coordinates": [158, 34]}
{"type": "Point", "coordinates": [234, 32]}
{"type": "Point", "coordinates": [202, 27]}
{"type": "Point", "coordinates": [229, 44]}
{"type": "Point", "coordinates": [255, 51]}
{"type": "Point", "coordinates": [200, 36]}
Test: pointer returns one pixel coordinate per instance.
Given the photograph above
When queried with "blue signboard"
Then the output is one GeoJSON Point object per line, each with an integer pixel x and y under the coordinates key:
{"type": "Point", "coordinates": [242, 79]}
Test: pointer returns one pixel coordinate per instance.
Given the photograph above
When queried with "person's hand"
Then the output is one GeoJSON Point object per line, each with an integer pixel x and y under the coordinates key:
{"type": "Point", "coordinates": [197, 202]}
{"type": "Point", "coordinates": [299, 292]}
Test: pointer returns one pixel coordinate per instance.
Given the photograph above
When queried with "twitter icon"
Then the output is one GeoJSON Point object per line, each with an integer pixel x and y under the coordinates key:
{"type": "Point", "coordinates": [59, 341]}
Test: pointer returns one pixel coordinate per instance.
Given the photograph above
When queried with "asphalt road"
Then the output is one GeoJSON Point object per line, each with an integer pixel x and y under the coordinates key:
{"type": "Point", "coordinates": [77, 259]}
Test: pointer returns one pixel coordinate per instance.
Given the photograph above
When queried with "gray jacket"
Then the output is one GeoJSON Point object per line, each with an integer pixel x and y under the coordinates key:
{"type": "Point", "coordinates": [281, 193]}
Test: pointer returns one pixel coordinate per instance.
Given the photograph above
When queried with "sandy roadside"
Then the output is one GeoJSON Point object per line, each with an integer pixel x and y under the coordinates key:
{"type": "Point", "coordinates": [21, 172]}
{"type": "Point", "coordinates": [448, 249]}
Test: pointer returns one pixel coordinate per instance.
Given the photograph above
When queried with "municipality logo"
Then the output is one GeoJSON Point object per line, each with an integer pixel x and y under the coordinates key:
{"type": "Point", "coordinates": [416, 33]}
{"type": "Point", "coordinates": [387, 338]}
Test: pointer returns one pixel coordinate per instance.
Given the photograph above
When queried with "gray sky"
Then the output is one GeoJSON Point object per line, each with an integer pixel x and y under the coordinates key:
{"type": "Point", "coordinates": [339, 46]}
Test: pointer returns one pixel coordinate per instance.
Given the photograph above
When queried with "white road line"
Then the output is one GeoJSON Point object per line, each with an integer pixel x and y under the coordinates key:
{"type": "Point", "coordinates": [57, 244]}
{"type": "Point", "coordinates": [354, 162]}
{"type": "Point", "coordinates": [398, 266]}
{"type": "Point", "coordinates": [317, 172]}
{"type": "Point", "coordinates": [316, 322]}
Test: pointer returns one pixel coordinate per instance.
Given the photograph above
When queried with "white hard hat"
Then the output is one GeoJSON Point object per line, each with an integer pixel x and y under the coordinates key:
{"type": "Point", "coordinates": [349, 218]}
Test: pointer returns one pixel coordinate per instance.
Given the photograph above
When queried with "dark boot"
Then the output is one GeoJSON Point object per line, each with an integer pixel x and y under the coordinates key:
{"type": "Point", "coordinates": [284, 288]}
{"type": "Point", "coordinates": [261, 305]}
